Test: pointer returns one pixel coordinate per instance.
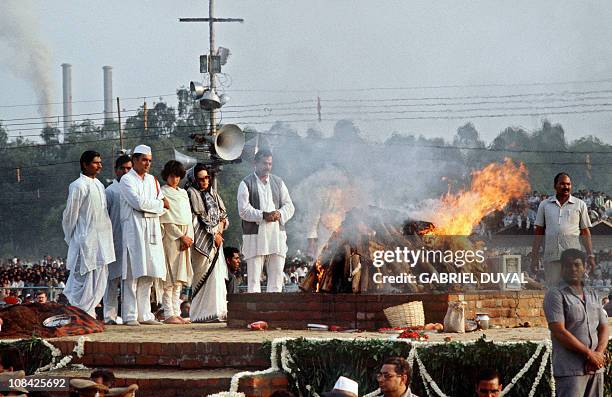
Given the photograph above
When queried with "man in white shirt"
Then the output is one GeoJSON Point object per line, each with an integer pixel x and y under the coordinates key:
{"type": "Point", "coordinates": [560, 221]}
{"type": "Point", "coordinates": [142, 203]}
{"type": "Point", "coordinates": [88, 233]}
{"type": "Point", "coordinates": [123, 165]}
{"type": "Point", "coordinates": [265, 207]}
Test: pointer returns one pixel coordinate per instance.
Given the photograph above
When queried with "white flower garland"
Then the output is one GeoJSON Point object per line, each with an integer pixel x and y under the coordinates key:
{"type": "Point", "coordinates": [428, 379]}
{"type": "Point", "coordinates": [79, 349]}
{"type": "Point", "coordinates": [286, 359]}
{"type": "Point", "coordinates": [523, 370]}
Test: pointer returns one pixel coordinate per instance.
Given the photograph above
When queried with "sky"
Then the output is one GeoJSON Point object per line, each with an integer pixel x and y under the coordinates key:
{"type": "Point", "coordinates": [412, 67]}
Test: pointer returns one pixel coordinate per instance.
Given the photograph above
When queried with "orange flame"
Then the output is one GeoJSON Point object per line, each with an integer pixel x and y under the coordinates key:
{"type": "Point", "coordinates": [491, 189]}
{"type": "Point", "coordinates": [319, 272]}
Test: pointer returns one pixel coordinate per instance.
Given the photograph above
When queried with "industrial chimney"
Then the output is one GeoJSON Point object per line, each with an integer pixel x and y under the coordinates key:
{"type": "Point", "coordinates": [108, 93]}
{"type": "Point", "coordinates": [67, 95]}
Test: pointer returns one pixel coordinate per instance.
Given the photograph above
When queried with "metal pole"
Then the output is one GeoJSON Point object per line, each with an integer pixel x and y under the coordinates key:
{"type": "Point", "coordinates": [120, 129]}
{"type": "Point", "coordinates": [211, 35]}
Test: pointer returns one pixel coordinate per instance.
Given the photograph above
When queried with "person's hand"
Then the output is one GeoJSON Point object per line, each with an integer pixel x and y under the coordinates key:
{"type": "Point", "coordinates": [223, 223]}
{"type": "Point", "coordinates": [166, 203]}
{"type": "Point", "coordinates": [591, 263]}
{"type": "Point", "coordinates": [218, 240]}
{"type": "Point", "coordinates": [268, 216]}
{"type": "Point", "coordinates": [596, 359]}
{"type": "Point", "coordinates": [276, 216]}
{"type": "Point", "coordinates": [186, 242]}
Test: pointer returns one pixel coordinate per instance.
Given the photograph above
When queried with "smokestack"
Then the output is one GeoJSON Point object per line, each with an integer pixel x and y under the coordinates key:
{"type": "Point", "coordinates": [108, 93]}
{"type": "Point", "coordinates": [67, 99]}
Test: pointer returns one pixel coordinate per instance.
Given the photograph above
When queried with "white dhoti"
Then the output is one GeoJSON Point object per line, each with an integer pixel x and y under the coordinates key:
{"type": "Point", "coordinates": [136, 301]}
{"type": "Point", "coordinates": [85, 291]}
{"type": "Point", "coordinates": [111, 300]}
{"type": "Point", "coordinates": [274, 268]}
{"type": "Point", "coordinates": [210, 302]}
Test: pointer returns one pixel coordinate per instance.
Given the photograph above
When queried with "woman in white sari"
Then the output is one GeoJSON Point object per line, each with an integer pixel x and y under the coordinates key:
{"type": "Point", "coordinates": [177, 238]}
{"type": "Point", "coordinates": [209, 302]}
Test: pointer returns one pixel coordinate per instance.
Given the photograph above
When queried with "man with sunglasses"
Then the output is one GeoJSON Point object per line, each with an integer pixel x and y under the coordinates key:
{"type": "Point", "coordinates": [394, 378]}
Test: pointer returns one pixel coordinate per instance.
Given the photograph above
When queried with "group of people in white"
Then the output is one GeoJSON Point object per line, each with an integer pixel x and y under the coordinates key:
{"type": "Point", "coordinates": [136, 236]}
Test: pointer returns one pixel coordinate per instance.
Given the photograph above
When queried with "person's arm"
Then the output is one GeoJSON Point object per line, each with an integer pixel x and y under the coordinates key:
{"type": "Point", "coordinates": [136, 201]}
{"type": "Point", "coordinates": [76, 194]}
{"type": "Point", "coordinates": [588, 245]}
{"type": "Point", "coordinates": [603, 332]}
{"type": "Point", "coordinates": [245, 210]}
{"type": "Point", "coordinates": [287, 209]}
{"type": "Point", "coordinates": [535, 248]}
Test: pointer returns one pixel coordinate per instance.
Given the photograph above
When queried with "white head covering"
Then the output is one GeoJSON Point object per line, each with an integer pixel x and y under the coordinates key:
{"type": "Point", "coordinates": [345, 386]}
{"type": "Point", "coordinates": [144, 149]}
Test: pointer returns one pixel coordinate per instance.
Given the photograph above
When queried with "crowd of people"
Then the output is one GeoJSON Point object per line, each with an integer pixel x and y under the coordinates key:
{"type": "Point", "coordinates": [22, 281]}
{"type": "Point", "coordinates": [522, 212]}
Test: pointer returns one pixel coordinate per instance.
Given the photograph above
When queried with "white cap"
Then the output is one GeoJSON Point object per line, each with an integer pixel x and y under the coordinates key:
{"type": "Point", "coordinates": [347, 385]}
{"type": "Point", "coordinates": [144, 149]}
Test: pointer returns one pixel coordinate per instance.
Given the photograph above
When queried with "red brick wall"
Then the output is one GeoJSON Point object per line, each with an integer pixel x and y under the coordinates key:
{"type": "Point", "coordinates": [296, 310]}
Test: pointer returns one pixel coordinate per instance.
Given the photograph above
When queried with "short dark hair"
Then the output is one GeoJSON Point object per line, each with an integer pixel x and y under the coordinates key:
{"type": "Point", "coordinates": [401, 366]}
{"type": "Point", "coordinates": [488, 374]}
{"type": "Point", "coordinates": [106, 375]}
{"type": "Point", "coordinates": [571, 254]}
{"type": "Point", "coordinates": [124, 158]}
{"type": "Point", "coordinates": [201, 167]}
{"type": "Point", "coordinates": [136, 156]}
{"type": "Point", "coordinates": [87, 157]}
{"type": "Point", "coordinates": [559, 175]}
{"type": "Point", "coordinates": [228, 252]}
{"type": "Point", "coordinates": [261, 153]}
{"type": "Point", "coordinates": [282, 393]}
{"type": "Point", "coordinates": [173, 167]}
{"type": "Point", "coordinates": [41, 292]}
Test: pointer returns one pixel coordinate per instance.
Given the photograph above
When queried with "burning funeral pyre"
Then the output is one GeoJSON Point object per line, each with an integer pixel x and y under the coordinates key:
{"type": "Point", "coordinates": [352, 256]}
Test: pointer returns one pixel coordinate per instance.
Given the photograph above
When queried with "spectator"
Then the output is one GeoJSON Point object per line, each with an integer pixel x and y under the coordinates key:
{"type": "Point", "coordinates": [185, 308]}
{"type": "Point", "coordinates": [488, 383]}
{"type": "Point", "coordinates": [579, 331]}
{"type": "Point", "coordinates": [344, 387]}
{"type": "Point", "coordinates": [41, 296]}
{"type": "Point", "coordinates": [394, 378]}
{"type": "Point", "coordinates": [232, 259]}
{"type": "Point", "coordinates": [103, 376]}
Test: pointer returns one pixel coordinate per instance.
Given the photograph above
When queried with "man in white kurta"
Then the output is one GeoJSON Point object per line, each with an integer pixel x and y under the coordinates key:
{"type": "Point", "coordinates": [265, 207]}
{"type": "Point", "coordinates": [142, 203]}
{"type": "Point", "coordinates": [123, 165]}
{"type": "Point", "coordinates": [88, 232]}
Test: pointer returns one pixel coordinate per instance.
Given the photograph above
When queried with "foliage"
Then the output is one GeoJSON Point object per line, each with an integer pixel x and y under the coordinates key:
{"type": "Point", "coordinates": [454, 365]}
{"type": "Point", "coordinates": [27, 354]}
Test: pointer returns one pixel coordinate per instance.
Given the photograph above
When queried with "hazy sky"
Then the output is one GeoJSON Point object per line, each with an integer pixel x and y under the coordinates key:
{"type": "Point", "coordinates": [288, 51]}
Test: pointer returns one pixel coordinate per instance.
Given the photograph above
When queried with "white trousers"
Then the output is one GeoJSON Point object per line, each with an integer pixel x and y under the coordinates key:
{"type": "Point", "coordinates": [85, 291]}
{"type": "Point", "coordinates": [111, 299]}
{"type": "Point", "coordinates": [170, 299]}
{"type": "Point", "coordinates": [136, 300]}
{"type": "Point", "coordinates": [274, 268]}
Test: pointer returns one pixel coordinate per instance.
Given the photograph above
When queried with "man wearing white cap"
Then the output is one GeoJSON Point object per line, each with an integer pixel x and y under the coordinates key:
{"type": "Point", "coordinates": [142, 203]}
{"type": "Point", "coordinates": [88, 232]}
{"type": "Point", "coordinates": [344, 387]}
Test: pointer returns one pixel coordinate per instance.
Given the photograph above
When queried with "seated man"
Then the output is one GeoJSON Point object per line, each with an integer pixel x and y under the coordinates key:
{"type": "Point", "coordinates": [488, 383]}
{"type": "Point", "coordinates": [344, 387]}
{"type": "Point", "coordinates": [41, 296]}
{"type": "Point", "coordinates": [103, 376]}
{"type": "Point", "coordinates": [394, 378]}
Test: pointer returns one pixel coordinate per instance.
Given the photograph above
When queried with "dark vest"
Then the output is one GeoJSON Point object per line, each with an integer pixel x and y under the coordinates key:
{"type": "Point", "coordinates": [251, 184]}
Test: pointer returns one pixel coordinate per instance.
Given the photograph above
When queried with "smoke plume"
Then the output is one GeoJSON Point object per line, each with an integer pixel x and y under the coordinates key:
{"type": "Point", "coordinates": [23, 51]}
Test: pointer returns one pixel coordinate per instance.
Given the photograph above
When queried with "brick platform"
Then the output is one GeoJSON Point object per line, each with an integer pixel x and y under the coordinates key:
{"type": "Point", "coordinates": [296, 310]}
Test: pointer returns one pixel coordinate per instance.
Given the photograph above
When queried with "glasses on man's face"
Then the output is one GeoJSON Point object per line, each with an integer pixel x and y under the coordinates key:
{"type": "Point", "coordinates": [385, 375]}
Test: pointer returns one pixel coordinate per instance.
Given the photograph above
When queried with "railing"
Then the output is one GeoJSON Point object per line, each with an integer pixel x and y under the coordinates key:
{"type": "Point", "coordinates": [52, 292]}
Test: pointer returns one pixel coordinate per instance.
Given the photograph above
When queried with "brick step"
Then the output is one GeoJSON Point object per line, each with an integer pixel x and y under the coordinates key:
{"type": "Point", "coordinates": [168, 354]}
{"type": "Point", "coordinates": [163, 382]}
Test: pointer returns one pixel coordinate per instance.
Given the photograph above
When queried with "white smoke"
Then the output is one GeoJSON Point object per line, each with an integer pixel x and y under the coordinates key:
{"type": "Point", "coordinates": [23, 51]}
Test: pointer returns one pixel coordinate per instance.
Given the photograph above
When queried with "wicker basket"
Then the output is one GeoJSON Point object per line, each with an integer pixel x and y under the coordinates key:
{"type": "Point", "coordinates": [406, 315]}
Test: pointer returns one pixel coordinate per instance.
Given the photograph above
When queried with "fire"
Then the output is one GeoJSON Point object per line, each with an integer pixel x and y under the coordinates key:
{"type": "Point", "coordinates": [319, 272]}
{"type": "Point", "coordinates": [491, 189]}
